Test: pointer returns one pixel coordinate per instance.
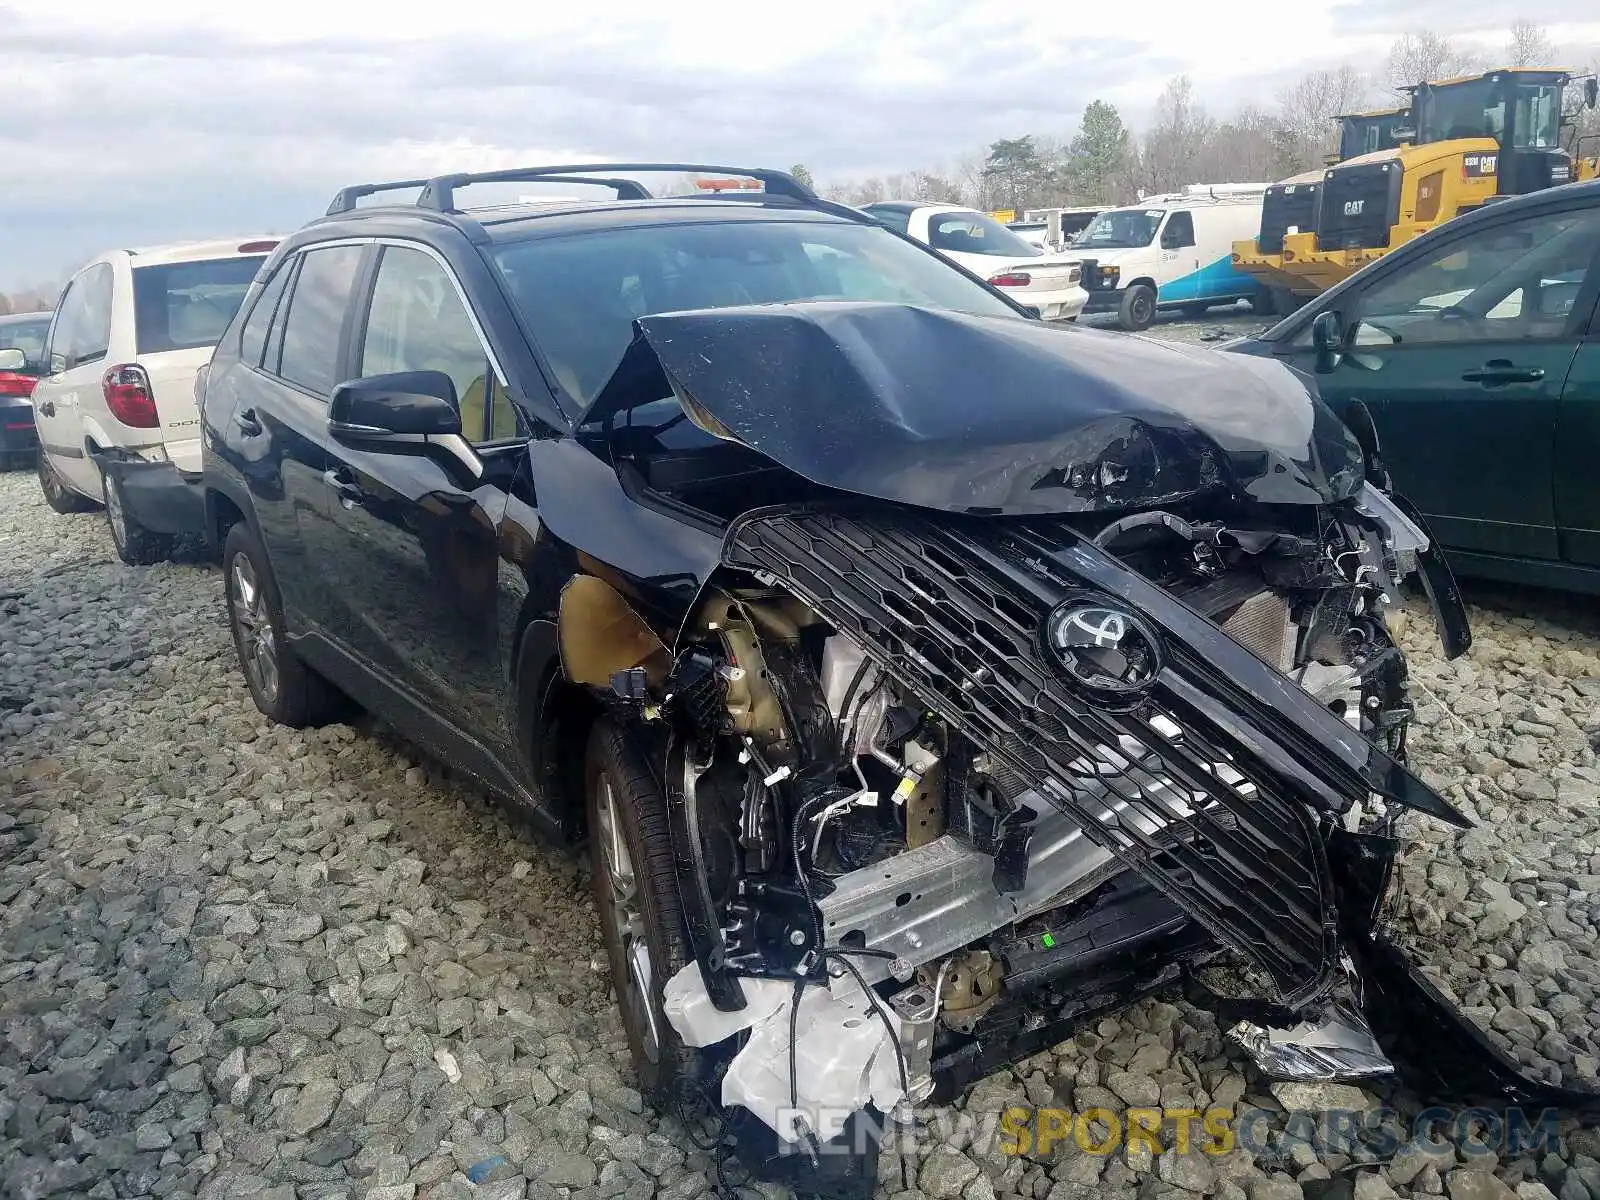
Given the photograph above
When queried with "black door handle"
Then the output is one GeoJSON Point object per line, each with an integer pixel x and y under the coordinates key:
{"type": "Point", "coordinates": [344, 486]}
{"type": "Point", "coordinates": [1500, 370]}
{"type": "Point", "coordinates": [47, 408]}
{"type": "Point", "coordinates": [248, 422]}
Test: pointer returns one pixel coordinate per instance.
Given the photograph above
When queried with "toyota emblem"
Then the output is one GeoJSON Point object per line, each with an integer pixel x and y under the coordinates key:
{"type": "Point", "coordinates": [1105, 649]}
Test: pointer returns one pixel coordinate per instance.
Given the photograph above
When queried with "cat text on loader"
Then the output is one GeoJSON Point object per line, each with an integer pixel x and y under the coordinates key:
{"type": "Point", "coordinates": [1478, 138]}
{"type": "Point", "coordinates": [1290, 206]}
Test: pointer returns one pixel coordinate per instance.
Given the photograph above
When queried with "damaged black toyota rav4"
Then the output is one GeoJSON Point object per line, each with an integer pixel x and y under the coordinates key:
{"type": "Point", "coordinates": [926, 680]}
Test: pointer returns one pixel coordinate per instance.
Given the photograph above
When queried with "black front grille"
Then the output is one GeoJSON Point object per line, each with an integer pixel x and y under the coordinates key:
{"type": "Point", "coordinates": [957, 618]}
{"type": "Point", "coordinates": [1360, 203]}
{"type": "Point", "coordinates": [1286, 206]}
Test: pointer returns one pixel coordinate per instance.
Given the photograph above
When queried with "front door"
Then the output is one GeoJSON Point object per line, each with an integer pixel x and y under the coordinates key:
{"type": "Point", "coordinates": [1578, 455]}
{"type": "Point", "coordinates": [420, 593]}
{"type": "Point", "coordinates": [1462, 353]}
{"type": "Point", "coordinates": [80, 338]}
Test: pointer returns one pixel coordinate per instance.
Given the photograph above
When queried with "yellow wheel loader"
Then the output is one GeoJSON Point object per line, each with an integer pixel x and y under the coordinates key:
{"type": "Point", "coordinates": [1289, 207]}
{"type": "Point", "coordinates": [1476, 139]}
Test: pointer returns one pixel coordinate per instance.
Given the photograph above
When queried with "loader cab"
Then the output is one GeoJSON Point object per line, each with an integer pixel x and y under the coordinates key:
{"type": "Point", "coordinates": [1520, 109]}
{"type": "Point", "coordinates": [1364, 133]}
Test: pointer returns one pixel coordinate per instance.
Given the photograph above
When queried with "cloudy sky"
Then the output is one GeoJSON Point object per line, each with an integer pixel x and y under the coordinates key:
{"type": "Point", "coordinates": [129, 124]}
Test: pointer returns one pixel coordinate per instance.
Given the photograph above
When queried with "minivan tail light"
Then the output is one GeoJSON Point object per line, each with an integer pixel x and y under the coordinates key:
{"type": "Point", "coordinates": [128, 396]}
{"type": "Point", "coordinates": [1011, 279]}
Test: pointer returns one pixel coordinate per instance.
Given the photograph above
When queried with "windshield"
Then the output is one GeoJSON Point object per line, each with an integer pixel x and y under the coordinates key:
{"type": "Point", "coordinates": [1120, 229]}
{"type": "Point", "coordinates": [27, 336]}
{"type": "Point", "coordinates": [183, 306]}
{"type": "Point", "coordinates": [1538, 124]}
{"type": "Point", "coordinates": [581, 292]}
{"type": "Point", "coordinates": [976, 233]}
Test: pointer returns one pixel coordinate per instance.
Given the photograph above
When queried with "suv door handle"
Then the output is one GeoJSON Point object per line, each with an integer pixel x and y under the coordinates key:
{"type": "Point", "coordinates": [47, 408]}
{"type": "Point", "coordinates": [344, 486]}
{"type": "Point", "coordinates": [248, 422]}
{"type": "Point", "coordinates": [1500, 370]}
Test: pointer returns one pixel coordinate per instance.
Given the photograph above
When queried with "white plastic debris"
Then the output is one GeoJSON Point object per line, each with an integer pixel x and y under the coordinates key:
{"type": "Point", "coordinates": [844, 1054]}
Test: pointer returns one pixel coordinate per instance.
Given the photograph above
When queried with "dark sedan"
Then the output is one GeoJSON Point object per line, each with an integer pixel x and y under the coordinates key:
{"type": "Point", "coordinates": [24, 332]}
{"type": "Point", "coordinates": [1476, 349]}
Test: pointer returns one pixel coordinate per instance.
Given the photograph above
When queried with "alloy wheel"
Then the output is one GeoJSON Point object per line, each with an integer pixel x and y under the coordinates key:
{"type": "Point", "coordinates": [626, 917]}
{"type": "Point", "coordinates": [258, 646]}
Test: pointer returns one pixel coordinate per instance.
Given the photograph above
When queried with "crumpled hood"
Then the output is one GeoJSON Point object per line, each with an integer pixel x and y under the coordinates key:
{"type": "Point", "coordinates": [992, 415]}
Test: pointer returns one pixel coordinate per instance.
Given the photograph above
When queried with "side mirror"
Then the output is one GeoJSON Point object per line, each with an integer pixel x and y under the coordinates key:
{"type": "Point", "coordinates": [1327, 337]}
{"type": "Point", "coordinates": [13, 359]}
{"type": "Point", "coordinates": [381, 412]}
{"type": "Point", "coordinates": [1591, 92]}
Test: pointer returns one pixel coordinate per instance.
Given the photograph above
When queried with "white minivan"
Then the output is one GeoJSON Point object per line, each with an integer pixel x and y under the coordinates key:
{"type": "Point", "coordinates": [1172, 251]}
{"type": "Point", "coordinates": [115, 410]}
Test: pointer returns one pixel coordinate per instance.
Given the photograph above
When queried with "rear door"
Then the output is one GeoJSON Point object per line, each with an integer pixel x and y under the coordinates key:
{"type": "Point", "coordinates": [80, 337]}
{"type": "Point", "coordinates": [180, 311]}
{"type": "Point", "coordinates": [1578, 444]}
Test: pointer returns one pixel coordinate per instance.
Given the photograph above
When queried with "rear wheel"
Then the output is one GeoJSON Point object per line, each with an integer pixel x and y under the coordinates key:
{"type": "Point", "coordinates": [136, 545]}
{"type": "Point", "coordinates": [1138, 308]}
{"type": "Point", "coordinates": [636, 895]}
{"type": "Point", "coordinates": [282, 686]}
{"type": "Point", "coordinates": [57, 494]}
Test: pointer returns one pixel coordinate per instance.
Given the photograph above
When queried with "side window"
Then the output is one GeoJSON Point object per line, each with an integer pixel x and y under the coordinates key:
{"type": "Point", "coordinates": [310, 354]}
{"type": "Point", "coordinates": [55, 341]}
{"type": "Point", "coordinates": [82, 332]}
{"type": "Point", "coordinates": [253, 341]}
{"type": "Point", "coordinates": [418, 323]}
{"type": "Point", "coordinates": [896, 219]}
{"type": "Point", "coordinates": [1179, 231]}
{"type": "Point", "coordinates": [1508, 281]}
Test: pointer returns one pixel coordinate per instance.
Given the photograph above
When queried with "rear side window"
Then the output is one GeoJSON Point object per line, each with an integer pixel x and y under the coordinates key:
{"type": "Point", "coordinates": [82, 332]}
{"type": "Point", "coordinates": [310, 353]}
{"type": "Point", "coordinates": [896, 219]}
{"type": "Point", "coordinates": [254, 338]}
{"type": "Point", "coordinates": [185, 306]}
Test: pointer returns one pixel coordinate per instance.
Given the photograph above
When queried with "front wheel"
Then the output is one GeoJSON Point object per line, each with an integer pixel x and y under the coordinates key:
{"type": "Point", "coordinates": [283, 688]}
{"type": "Point", "coordinates": [57, 494]}
{"type": "Point", "coordinates": [1138, 308]}
{"type": "Point", "coordinates": [636, 895]}
{"type": "Point", "coordinates": [136, 545]}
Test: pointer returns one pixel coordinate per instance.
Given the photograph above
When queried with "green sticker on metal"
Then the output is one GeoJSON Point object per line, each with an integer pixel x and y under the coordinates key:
{"type": "Point", "coordinates": [1049, 941]}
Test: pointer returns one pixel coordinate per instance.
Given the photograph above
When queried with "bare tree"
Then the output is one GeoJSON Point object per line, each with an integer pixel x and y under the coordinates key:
{"type": "Point", "coordinates": [1306, 110]}
{"type": "Point", "coordinates": [1528, 45]}
{"type": "Point", "coordinates": [1175, 144]}
{"type": "Point", "coordinates": [1423, 55]}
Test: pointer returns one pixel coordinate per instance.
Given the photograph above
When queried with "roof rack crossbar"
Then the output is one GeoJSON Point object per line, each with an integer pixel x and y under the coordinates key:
{"type": "Point", "coordinates": [439, 193]}
{"type": "Point", "coordinates": [345, 201]}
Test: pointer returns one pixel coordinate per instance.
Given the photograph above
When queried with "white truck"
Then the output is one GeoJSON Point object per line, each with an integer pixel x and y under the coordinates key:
{"type": "Point", "coordinates": [1171, 251]}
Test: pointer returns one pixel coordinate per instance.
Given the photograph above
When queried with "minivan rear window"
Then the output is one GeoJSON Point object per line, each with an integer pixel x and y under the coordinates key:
{"type": "Point", "coordinates": [184, 306]}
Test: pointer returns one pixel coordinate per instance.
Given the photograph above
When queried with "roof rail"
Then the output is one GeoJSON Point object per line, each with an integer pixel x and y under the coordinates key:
{"type": "Point", "coordinates": [345, 201]}
{"type": "Point", "coordinates": [439, 193]}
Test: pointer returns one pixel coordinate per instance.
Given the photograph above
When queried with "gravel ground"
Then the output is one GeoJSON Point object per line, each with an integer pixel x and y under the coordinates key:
{"type": "Point", "coordinates": [239, 961]}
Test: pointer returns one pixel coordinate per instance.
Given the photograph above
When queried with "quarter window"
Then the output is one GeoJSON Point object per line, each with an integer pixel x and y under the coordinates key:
{"type": "Point", "coordinates": [82, 332]}
{"type": "Point", "coordinates": [254, 339]}
{"type": "Point", "coordinates": [311, 330]}
{"type": "Point", "coordinates": [418, 323]}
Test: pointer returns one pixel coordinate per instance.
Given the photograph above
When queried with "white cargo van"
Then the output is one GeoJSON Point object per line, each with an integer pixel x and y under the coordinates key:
{"type": "Point", "coordinates": [1172, 251]}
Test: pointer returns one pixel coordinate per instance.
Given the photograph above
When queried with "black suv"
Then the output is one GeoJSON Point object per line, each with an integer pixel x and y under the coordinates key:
{"type": "Point", "coordinates": [868, 626]}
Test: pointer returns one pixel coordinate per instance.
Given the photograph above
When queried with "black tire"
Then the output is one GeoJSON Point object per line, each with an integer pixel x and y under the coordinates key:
{"type": "Point", "coordinates": [136, 545]}
{"type": "Point", "coordinates": [57, 494]}
{"type": "Point", "coordinates": [1138, 309]}
{"type": "Point", "coordinates": [640, 813]}
{"type": "Point", "coordinates": [299, 697]}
